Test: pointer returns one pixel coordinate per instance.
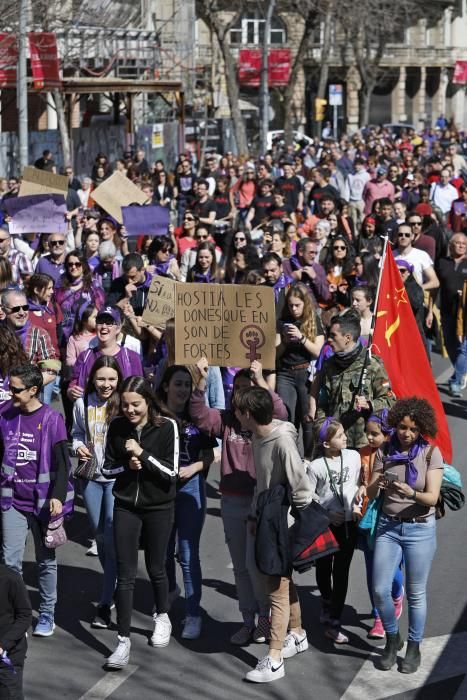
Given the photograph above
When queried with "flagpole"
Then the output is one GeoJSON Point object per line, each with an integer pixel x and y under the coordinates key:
{"type": "Point", "coordinates": [364, 372]}
{"type": "Point", "coordinates": [378, 288]}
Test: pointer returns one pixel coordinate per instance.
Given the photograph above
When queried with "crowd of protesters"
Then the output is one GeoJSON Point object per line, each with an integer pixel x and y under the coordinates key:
{"type": "Point", "coordinates": [311, 224]}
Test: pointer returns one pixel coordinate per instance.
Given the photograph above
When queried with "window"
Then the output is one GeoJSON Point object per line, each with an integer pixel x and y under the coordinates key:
{"type": "Point", "coordinates": [250, 30]}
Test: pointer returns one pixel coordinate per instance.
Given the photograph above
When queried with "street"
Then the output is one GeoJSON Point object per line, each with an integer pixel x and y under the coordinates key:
{"type": "Point", "coordinates": [70, 663]}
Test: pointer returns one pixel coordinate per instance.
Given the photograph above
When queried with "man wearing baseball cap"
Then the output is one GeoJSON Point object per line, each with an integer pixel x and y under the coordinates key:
{"type": "Point", "coordinates": [377, 188]}
{"type": "Point", "coordinates": [108, 325]}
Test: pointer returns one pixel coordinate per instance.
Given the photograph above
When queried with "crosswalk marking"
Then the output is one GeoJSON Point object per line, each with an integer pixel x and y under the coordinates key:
{"type": "Point", "coordinates": [442, 657]}
{"type": "Point", "coordinates": [108, 684]}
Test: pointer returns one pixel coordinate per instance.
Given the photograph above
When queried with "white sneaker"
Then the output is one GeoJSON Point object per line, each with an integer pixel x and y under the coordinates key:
{"type": "Point", "coordinates": [162, 630]}
{"type": "Point", "coordinates": [267, 670]}
{"type": "Point", "coordinates": [121, 655]}
{"type": "Point", "coordinates": [192, 627]}
{"type": "Point", "coordinates": [293, 644]}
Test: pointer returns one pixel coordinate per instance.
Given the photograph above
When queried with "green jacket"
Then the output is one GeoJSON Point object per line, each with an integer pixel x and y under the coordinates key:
{"type": "Point", "coordinates": [338, 388]}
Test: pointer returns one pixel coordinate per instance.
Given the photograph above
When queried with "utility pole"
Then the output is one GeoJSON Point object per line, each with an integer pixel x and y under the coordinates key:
{"type": "Point", "coordinates": [264, 86]}
{"type": "Point", "coordinates": [22, 87]}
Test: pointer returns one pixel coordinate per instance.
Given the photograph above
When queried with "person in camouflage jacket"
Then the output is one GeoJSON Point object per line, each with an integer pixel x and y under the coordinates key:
{"type": "Point", "coordinates": [350, 386]}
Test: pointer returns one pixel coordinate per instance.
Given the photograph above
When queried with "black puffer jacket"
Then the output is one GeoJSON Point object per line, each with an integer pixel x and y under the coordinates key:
{"type": "Point", "coordinates": [154, 486]}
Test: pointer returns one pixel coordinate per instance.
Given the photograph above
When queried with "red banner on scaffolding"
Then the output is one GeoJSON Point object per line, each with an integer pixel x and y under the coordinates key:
{"type": "Point", "coordinates": [44, 60]}
{"type": "Point", "coordinates": [8, 60]}
{"type": "Point", "coordinates": [460, 73]}
{"type": "Point", "coordinates": [249, 67]}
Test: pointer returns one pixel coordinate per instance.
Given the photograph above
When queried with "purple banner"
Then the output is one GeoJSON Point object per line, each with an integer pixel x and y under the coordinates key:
{"type": "Point", "coordinates": [145, 220]}
{"type": "Point", "coordinates": [37, 213]}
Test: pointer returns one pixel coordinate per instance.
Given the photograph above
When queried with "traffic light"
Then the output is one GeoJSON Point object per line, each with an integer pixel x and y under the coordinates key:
{"type": "Point", "coordinates": [320, 109]}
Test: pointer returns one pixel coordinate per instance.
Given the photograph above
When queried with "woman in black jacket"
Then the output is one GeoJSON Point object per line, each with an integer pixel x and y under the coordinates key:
{"type": "Point", "coordinates": [142, 455]}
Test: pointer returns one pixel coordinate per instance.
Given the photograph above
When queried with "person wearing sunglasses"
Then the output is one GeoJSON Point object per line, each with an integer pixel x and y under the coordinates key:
{"type": "Point", "coordinates": [34, 484]}
{"type": "Point", "coordinates": [339, 267]}
{"type": "Point", "coordinates": [21, 265]}
{"type": "Point", "coordinates": [53, 264]}
{"type": "Point", "coordinates": [76, 286]}
{"type": "Point", "coordinates": [36, 342]}
{"type": "Point", "coordinates": [187, 233]}
{"type": "Point", "coordinates": [423, 270]}
{"type": "Point", "coordinates": [420, 240]}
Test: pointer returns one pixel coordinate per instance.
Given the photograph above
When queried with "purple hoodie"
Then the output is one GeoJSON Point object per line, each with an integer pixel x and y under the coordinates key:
{"type": "Point", "coordinates": [128, 360]}
{"type": "Point", "coordinates": [238, 475]}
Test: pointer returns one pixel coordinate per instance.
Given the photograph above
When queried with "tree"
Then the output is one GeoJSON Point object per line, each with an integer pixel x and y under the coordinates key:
{"type": "Point", "coordinates": [220, 21]}
{"type": "Point", "coordinates": [308, 11]}
{"type": "Point", "coordinates": [369, 26]}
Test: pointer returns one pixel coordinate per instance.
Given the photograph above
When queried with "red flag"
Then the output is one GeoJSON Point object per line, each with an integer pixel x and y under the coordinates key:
{"type": "Point", "coordinates": [44, 60]}
{"type": "Point", "coordinates": [8, 60]}
{"type": "Point", "coordinates": [398, 342]}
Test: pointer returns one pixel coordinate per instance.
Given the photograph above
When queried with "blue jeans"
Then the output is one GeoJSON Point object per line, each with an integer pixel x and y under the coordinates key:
{"type": "Point", "coordinates": [417, 543]}
{"type": "Point", "coordinates": [460, 367]}
{"type": "Point", "coordinates": [99, 502]}
{"type": "Point", "coordinates": [190, 509]}
{"type": "Point", "coordinates": [397, 584]}
{"type": "Point", "coordinates": [15, 525]}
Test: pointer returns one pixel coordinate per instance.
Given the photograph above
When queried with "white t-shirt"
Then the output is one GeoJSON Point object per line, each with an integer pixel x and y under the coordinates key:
{"type": "Point", "coordinates": [346, 487]}
{"type": "Point", "coordinates": [420, 261]}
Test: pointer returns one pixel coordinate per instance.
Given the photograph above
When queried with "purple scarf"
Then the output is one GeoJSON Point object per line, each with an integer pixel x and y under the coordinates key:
{"type": "Point", "coordinates": [394, 455]}
{"type": "Point", "coordinates": [161, 268]}
{"type": "Point", "coordinates": [22, 332]}
{"type": "Point", "coordinates": [202, 278]}
{"type": "Point", "coordinates": [43, 308]}
{"type": "Point", "coordinates": [283, 281]}
{"type": "Point", "coordinates": [295, 263]}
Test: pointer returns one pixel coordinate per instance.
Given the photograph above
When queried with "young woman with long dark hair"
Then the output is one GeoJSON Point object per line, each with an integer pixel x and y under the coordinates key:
{"type": "Point", "coordinates": [196, 454]}
{"type": "Point", "coordinates": [92, 414]}
{"type": "Point", "coordinates": [299, 341]}
{"type": "Point", "coordinates": [142, 453]}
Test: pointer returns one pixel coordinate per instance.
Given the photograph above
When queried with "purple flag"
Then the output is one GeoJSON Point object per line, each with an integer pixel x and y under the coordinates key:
{"type": "Point", "coordinates": [147, 220]}
{"type": "Point", "coordinates": [37, 213]}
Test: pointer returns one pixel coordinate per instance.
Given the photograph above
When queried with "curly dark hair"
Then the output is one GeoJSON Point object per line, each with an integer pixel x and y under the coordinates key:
{"type": "Point", "coordinates": [11, 352]}
{"type": "Point", "coordinates": [418, 410]}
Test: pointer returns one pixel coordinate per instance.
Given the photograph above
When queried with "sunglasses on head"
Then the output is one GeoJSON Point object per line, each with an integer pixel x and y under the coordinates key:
{"type": "Point", "coordinates": [17, 389]}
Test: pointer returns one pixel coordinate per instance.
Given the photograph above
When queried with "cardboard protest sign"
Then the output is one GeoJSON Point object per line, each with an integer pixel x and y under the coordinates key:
{"type": "Point", "coordinates": [37, 213]}
{"type": "Point", "coordinates": [230, 324]}
{"type": "Point", "coordinates": [150, 221]}
{"type": "Point", "coordinates": [117, 192]}
{"type": "Point", "coordinates": [37, 181]}
{"type": "Point", "coordinates": [160, 303]}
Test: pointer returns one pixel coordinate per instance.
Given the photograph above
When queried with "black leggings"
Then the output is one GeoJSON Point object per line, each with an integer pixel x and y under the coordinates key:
{"type": "Point", "coordinates": [332, 572]}
{"type": "Point", "coordinates": [155, 526]}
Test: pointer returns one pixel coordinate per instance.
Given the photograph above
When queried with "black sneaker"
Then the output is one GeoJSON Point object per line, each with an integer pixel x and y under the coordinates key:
{"type": "Point", "coordinates": [102, 619]}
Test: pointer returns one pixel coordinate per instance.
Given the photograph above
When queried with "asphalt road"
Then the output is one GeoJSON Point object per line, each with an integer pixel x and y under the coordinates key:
{"type": "Point", "coordinates": [70, 664]}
